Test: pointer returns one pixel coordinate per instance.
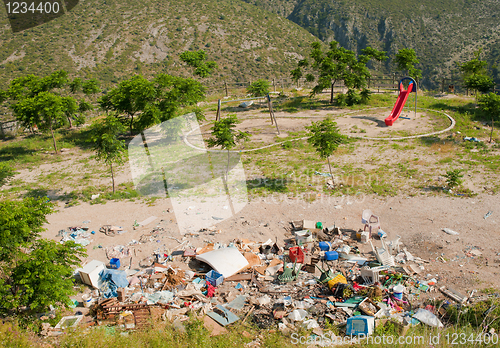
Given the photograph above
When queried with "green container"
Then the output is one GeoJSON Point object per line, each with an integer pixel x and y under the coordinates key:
{"type": "Point", "coordinates": [319, 225]}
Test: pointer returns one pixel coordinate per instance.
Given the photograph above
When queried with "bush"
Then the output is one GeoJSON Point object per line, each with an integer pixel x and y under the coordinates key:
{"type": "Point", "coordinates": [259, 88]}
{"type": "Point", "coordinates": [454, 178]}
{"type": "Point", "coordinates": [6, 172]}
{"type": "Point", "coordinates": [341, 100]}
{"type": "Point", "coordinates": [352, 98]}
{"type": "Point", "coordinates": [365, 96]}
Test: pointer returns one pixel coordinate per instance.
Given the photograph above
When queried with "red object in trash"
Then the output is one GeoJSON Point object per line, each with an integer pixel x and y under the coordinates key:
{"type": "Point", "coordinates": [210, 290]}
{"type": "Point", "coordinates": [296, 255]}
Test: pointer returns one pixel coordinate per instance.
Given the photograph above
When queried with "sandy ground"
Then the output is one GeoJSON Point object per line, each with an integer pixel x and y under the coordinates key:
{"type": "Point", "coordinates": [418, 220]}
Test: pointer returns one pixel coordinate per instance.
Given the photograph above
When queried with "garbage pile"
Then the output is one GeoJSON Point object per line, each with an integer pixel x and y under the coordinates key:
{"type": "Point", "coordinates": [318, 275]}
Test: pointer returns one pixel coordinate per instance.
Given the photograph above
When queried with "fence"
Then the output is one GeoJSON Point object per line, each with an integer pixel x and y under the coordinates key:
{"type": "Point", "coordinates": [377, 84]}
{"type": "Point", "coordinates": [8, 126]}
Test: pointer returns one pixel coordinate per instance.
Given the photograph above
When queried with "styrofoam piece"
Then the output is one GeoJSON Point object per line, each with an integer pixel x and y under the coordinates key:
{"type": "Point", "coordinates": [308, 225]}
{"type": "Point", "coordinates": [427, 317]}
{"type": "Point", "coordinates": [226, 261]}
{"type": "Point", "coordinates": [89, 274]}
{"type": "Point", "coordinates": [304, 236]}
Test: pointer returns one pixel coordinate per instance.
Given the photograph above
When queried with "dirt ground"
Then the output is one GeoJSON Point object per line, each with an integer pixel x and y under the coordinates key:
{"type": "Point", "coordinates": [363, 123]}
{"type": "Point", "coordinates": [418, 220]}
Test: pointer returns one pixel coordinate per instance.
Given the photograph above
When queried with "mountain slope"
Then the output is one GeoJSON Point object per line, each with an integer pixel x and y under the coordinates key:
{"type": "Point", "coordinates": [112, 39]}
{"type": "Point", "coordinates": [441, 32]}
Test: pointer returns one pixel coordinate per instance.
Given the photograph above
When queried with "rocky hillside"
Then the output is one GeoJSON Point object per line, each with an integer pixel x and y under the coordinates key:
{"type": "Point", "coordinates": [441, 32]}
{"type": "Point", "coordinates": [110, 39]}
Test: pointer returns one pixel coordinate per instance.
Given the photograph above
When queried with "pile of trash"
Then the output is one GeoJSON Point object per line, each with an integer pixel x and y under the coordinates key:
{"type": "Point", "coordinates": [318, 275]}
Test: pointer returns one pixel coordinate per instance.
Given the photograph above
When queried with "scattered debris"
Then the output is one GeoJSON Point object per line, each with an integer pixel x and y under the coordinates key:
{"type": "Point", "coordinates": [319, 274]}
{"type": "Point", "coordinates": [447, 230]}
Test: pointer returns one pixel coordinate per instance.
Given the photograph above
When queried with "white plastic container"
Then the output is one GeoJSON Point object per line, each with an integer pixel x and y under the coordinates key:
{"type": "Point", "coordinates": [398, 291]}
{"type": "Point", "coordinates": [87, 300]}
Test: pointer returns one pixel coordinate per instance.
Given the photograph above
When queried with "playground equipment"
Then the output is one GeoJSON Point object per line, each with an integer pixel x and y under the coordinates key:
{"type": "Point", "coordinates": [269, 105]}
{"type": "Point", "coordinates": [402, 97]}
{"type": "Point", "coordinates": [372, 222]}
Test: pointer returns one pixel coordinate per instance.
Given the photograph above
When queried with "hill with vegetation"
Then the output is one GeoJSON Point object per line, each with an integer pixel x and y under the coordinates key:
{"type": "Point", "coordinates": [441, 32]}
{"type": "Point", "coordinates": [112, 39]}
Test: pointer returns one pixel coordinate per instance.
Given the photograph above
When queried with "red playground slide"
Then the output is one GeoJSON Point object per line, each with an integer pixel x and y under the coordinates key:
{"type": "Point", "coordinates": [400, 103]}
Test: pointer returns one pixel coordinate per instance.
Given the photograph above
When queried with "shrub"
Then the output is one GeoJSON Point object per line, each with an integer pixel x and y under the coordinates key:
{"type": "Point", "coordinates": [259, 88]}
{"type": "Point", "coordinates": [454, 178]}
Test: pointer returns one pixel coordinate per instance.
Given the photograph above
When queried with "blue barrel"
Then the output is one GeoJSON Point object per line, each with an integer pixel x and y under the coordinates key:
{"type": "Point", "coordinates": [331, 255]}
{"type": "Point", "coordinates": [324, 246]}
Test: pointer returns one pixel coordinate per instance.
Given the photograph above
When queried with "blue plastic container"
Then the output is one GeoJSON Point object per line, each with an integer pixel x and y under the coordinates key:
{"type": "Point", "coordinates": [214, 278]}
{"type": "Point", "coordinates": [331, 255]}
{"type": "Point", "coordinates": [324, 246]}
{"type": "Point", "coordinates": [114, 263]}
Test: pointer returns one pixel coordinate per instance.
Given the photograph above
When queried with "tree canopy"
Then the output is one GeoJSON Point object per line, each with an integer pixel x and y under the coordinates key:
{"type": "Point", "coordinates": [406, 58]}
{"type": "Point", "coordinates": [475, 74]}
{"type": "Point", "coordinates": [42, 101]}
{"type": "Point", "coordinates": [490, 105]}
{"type": "Point", "coordinates": [326, 138]}
{"type": "Point", "coordinates": [34, 272]}
{"type": "Point", "coordinates": [335, 65]}
{"type": "Point", "coordinates": [142, 103]}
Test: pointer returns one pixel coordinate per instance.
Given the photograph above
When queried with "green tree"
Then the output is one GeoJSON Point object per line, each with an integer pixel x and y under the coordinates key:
{"type": "Point", "coordinates": [406, 58]}
{"type": "Point", "coordinates": [130, 97]}
{"type": "Point", "coordinates": [41, 101]}
{"type": "Point", "coordinates": [88, 88]}
{"type": "Point", "coordinates": [142, 103]}
{"type": "Point", "coordinates": [490, 104]}
{"type": "Point", "coordinates": [46, 110]}
{"type": "Point", "coordinates": [198, 60]}
{"type": "Point", "coordinates": [259, 88]}
{"type": "Point", "coordinates": [34, 272]}
{"type": "Point", "coordinates": [104, 140]}
{"type": "Point", "coordinates": [326, 138]}
{"type": "Point", "coordinates": [335, 65]}
{"type": "Point", "coordinates": [475, 74]}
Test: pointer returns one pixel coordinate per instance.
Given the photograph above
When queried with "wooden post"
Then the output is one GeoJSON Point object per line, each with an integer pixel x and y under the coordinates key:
{"type": "Point", "coordinates": [217, 116]}
{"type": "Point", "coordinates": [225, 86]}
{"type": "Point", "coordinates": [271, 112]}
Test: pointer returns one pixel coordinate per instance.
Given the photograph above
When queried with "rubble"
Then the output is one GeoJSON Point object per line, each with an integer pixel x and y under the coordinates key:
{"type": "Point", "coordinates": [319, 275]}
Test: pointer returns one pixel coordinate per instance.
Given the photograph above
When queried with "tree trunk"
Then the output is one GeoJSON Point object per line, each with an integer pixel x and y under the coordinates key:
{"type": "Point", "coordinates": [491, 134]}
{"type": "Point", "coordinates": [112, 176]}
{"type": "Point", "coordinates": [131, 122]}
{"type": "Point", "coordinates": [53, 138]}
{"type": "Point", "coordinates": [330, 167]}
{"type": "Point", "coordinates": [331, 94]}
{"type": "Point", "coordinates": [69, 120]}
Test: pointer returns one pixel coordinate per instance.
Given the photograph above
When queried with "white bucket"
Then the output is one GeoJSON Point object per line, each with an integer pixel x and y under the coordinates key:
{"type": "Point", "coordinates": [398, 291]}
{"type": "Point", "coordinates": [87, 300]}
{"type": "Point", "coordinates": [365, 236]}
